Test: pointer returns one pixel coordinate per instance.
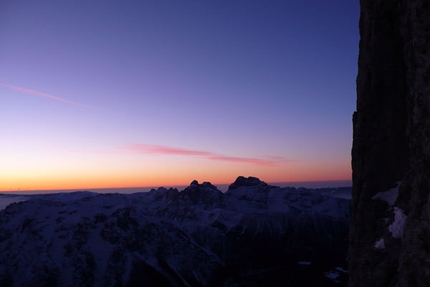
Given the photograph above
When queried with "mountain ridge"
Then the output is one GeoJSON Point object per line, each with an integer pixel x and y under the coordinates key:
{"type": "Point", "coordinates": [252, 234]}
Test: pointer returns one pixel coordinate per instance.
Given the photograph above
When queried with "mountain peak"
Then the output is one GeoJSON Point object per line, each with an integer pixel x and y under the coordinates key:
{"type": "Point", "coordinates": [246, 181]}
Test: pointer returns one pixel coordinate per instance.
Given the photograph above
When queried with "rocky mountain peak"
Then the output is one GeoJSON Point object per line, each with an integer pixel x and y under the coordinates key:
{"type": "Point", "coordinates": [242, 181]}
{"type": "Point", "coordinates": [204, 193]}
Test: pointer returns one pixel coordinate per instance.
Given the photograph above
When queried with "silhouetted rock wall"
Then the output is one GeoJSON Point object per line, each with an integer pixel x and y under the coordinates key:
{"type": "Point", "coordinates": [390, 227]}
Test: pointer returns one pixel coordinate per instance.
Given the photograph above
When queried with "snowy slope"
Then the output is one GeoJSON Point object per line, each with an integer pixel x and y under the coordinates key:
{"type": "Point", "coordinates": [6, 199]}
{"type": "Point", "coordinates": [196, 237]}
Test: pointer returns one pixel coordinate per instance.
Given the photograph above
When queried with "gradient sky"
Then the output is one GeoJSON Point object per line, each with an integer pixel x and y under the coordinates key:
{"type": "Point", "coordinates": [98, 94]}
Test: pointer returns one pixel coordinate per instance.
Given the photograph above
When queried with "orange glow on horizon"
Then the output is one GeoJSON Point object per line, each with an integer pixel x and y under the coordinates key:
{"type": "Point", "coordinates": [126, 171]}
{"type": "Point", "coordinates": [23, 183]}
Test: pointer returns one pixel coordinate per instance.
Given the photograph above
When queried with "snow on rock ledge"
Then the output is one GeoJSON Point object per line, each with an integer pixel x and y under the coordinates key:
{"type": "Point", "coordinates": [380, 244]}
{"type": "Point", "coordinates": [389, 196]}
{"type": "Point", "coordinates": [396, 228]}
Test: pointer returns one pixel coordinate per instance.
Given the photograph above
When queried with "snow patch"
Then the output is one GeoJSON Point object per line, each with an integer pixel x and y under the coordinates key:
{"type": "Point", "coordinates": [380, 244]}
{"type": "Point", "coordinates": [389, 196]}
{"type": "Point", "coordinates": [340, 269]}
{"type": "Point", "coordinates": [396, 228]}
{"type": "Point", "coordinates": [333, 275]}
{"type": "Point", "coordinates": [304, 263]}
{"type": "Point", "coordinates": [6, 200]}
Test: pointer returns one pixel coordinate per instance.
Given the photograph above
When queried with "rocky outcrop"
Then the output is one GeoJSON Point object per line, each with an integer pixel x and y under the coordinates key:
{"type": "Point", "coordinates": [246, 181]}
{"type": "Point", "coordinates": [390, 225]}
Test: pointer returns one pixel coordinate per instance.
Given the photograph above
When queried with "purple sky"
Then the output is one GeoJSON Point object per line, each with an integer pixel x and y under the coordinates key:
{"type": "Point", "coordinates": [137, 93]}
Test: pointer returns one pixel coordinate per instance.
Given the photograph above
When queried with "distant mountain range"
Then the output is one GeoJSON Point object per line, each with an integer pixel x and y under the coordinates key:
{"type": "Point", "coordinates": [254, 234]}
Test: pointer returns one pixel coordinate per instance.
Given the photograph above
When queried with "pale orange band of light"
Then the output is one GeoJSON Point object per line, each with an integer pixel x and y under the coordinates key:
{"type": "Point", "coordinates": [145, 178]}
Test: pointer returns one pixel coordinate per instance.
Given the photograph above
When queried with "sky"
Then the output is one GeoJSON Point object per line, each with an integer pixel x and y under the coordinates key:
{"type": "Point", "coordinates": [106, 94]}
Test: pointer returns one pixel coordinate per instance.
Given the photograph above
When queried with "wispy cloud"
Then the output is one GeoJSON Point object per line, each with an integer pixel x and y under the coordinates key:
{"type": "Point", "coordinates": [253, 161]}
{"type": "Point", "coordinates": [158, 149]}
{"type": "Point", "coordinates": [40, 94]}
{"type": "Point", "coordinates": [165, 150]}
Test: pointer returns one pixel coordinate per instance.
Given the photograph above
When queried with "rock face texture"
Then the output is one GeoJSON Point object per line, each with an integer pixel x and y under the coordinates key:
{"type": "Point", "coordinates": [390, 224]}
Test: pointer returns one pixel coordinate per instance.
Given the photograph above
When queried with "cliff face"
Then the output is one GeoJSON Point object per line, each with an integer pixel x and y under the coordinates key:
{"type": "Point", "coordinates": [390, 227]}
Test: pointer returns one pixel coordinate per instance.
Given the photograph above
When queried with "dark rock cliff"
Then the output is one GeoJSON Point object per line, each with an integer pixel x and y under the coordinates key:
{"type": "Point", "coordinates": [390, 228]}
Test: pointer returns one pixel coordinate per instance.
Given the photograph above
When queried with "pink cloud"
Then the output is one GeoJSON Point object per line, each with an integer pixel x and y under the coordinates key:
{"type": "Point", "coordinates": [158, 149]}
{"type": "Point", "coordinates": [164, 150]}
{"type": "Point", "coordinates": [40, 94]}
{"type": "Point", "coordinates": [253, 161]}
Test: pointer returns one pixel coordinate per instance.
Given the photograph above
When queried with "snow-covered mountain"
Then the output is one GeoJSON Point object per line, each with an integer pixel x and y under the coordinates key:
{"type": "Point", "coordinates": [252, 235]}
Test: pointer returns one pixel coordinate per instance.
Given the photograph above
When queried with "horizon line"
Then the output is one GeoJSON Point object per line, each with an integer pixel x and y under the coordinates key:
{"type": "Point", "coordinates": [177, 185]}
